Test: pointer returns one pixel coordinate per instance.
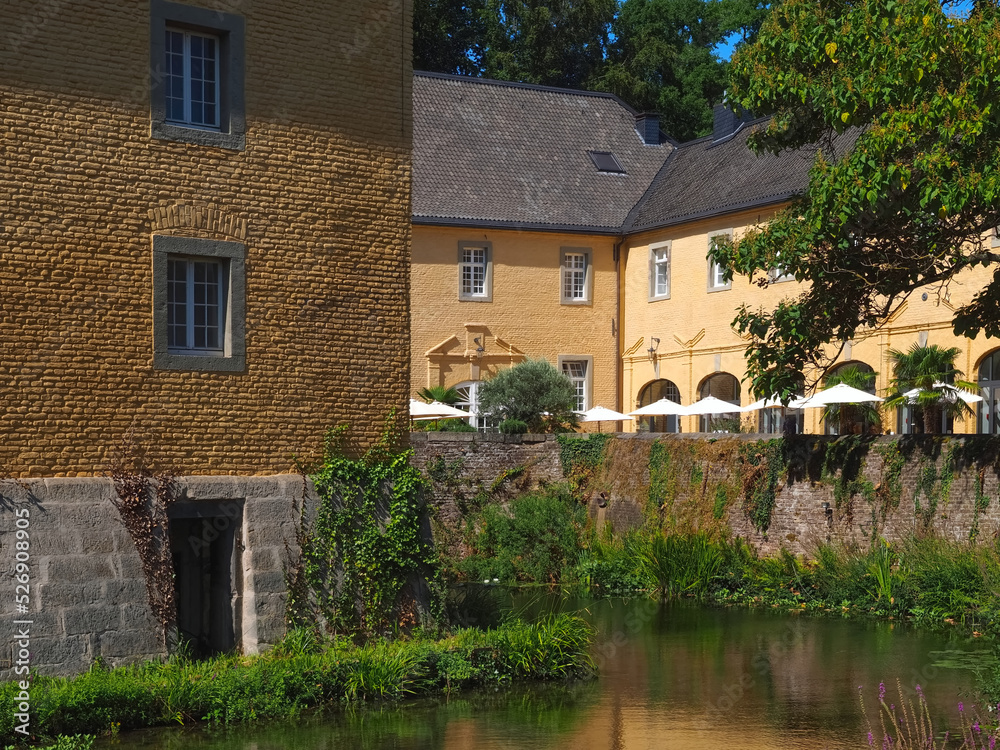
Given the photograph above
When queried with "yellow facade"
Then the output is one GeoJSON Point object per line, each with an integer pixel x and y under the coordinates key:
{"type": "Point", "coordinates": [696, 339]}
{"type": "Point", "coordinates": [316, 191]}
{"type": "Point", "coordinates": [523, 316]}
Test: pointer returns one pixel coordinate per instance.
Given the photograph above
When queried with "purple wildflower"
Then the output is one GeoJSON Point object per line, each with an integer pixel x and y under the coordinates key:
{"type": "Point", "coordinates": [881, 691]}
{"type": "Point", "coordinates": [993, 743]}
{"type": "Point", "coordinates": [961, 708]}
{"type": "Point", "coordinates": [975, 727]}
{"type": "Point", "coordinates": [871, 739]}
{"type": "Point", "coordinates": [919, 691]}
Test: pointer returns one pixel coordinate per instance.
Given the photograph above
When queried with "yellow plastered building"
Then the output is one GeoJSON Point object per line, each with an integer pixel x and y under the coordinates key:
{"type": "Point", "coordinates": [654, 289]}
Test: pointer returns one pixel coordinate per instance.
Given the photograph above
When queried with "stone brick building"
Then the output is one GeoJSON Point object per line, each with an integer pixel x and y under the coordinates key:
{"type": "Point", "coordinates": [205, 235]}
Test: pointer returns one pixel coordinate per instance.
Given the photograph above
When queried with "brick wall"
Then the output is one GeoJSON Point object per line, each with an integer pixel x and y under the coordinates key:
{"type": "Point", "coordinates": [463, 464]}
{"type": "Point", "coordinates": [320, 196]}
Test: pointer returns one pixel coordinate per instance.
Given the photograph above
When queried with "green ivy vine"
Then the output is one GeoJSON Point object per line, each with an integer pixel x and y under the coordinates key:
{"type": "Point", "coordinates": [367, 566]}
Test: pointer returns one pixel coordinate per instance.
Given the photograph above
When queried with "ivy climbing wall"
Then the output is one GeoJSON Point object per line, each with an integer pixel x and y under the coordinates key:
{"type": "Point", "coordinates": [793, 493]}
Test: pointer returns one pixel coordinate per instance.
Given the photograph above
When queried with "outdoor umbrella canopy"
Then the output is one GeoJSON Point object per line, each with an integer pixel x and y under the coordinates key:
{"type": "Point", "coordinates": [837, 394]}
{"type": "Point", "coordinates": [662, 408]}
{"type": "Point", "coordinates": [711, 405]}
{"type": "Point", "coordinates": [949, 393]}
{"type": "Point", "coordinates": [435, 410]}
{"type": "Point", "coordinates": [600, 414]}
{"type": "Point", "coordinates": [766, 403]}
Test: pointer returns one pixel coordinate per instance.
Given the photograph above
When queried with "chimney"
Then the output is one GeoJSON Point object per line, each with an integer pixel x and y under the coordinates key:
{"type": "Point", "coordinates": [726, 122]}
{"type": "Point", "coordinates": [648, 126]}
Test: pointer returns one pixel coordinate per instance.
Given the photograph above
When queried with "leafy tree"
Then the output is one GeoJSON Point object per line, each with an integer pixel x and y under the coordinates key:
{"type": "Point", "coordinates": [448, 35]}
{"type": "Point", "coordinates": [849, 416]}
{"type": "Point", "coordinates": [533, 392]}
{"type": "Point", "coordinates": [550, 42]}
{"type": "Point", "coordinates": [662, 60]}
{"type": "Point", "coordinates": [921, 368]}
{"type": "Point", "coordinates": [903, 199]}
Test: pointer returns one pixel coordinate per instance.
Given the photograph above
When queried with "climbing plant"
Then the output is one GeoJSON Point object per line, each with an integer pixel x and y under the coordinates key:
{"type": "Point", "coordinates": [763, 464]}
{"type": "Point", "coordinates": [367, 564]}
{"type": "Point", "coordinates": [142, 497]}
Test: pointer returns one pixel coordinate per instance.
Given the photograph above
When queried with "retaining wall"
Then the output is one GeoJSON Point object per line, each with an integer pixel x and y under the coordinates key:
{"type": "Point", "coordinates": [938, 485]}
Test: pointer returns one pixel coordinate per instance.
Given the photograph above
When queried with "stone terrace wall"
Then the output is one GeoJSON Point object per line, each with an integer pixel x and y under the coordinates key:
{"type": "Point", "coordinates": [939, 482]}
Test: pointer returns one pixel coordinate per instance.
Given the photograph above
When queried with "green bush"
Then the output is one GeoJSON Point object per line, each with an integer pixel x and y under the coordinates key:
{"type": "Point", "coordinates": [682, 565]}
{"type": "Point", "coordinates": [513, 427]}
{"type": "Point", "coordinates": [535, 539]}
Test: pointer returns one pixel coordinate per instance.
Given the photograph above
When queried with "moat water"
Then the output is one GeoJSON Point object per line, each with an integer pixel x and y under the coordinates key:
{"type": "Point", "coordinates": [677, 676]}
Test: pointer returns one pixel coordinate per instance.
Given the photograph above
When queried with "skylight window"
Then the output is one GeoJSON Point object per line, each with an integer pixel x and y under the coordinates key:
{"type": "Point", "coordinates": [605, 161]}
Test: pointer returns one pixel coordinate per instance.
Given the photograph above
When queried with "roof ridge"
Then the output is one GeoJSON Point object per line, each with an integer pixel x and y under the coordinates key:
{"type": "Point", "coordinates": [530, 86]}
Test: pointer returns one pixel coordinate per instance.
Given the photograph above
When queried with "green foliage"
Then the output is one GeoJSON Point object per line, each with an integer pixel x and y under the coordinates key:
{"type": "Point", "coordinates": [763, 466]}
{"type": "Point", "coordinates": [662, 60]}
{"type": "Point", "coordinates": [681, 565]}
{"type": "Point", "coordinates": [441, 393]}
{"type": "Point", "coordinates": [289, 680]}
{"type": "Point", "coordinates": [610, 564]}
{"type": "Point", "coordinates": [581, 453]}
{"type": "Point", "coordinates": [925, 368]}
{"type": "Point", "coordinates": [905, 198]}
{"type": "Point", "coordinates": [366, 547]}
{"type": "Point", "coordinates": [535, 539]}
{"type": "Point", "coordinates": [513, 427]}
{"type": "Point", "coordinates": [658, 55]}
{"type": "Point", "coordinates": [533, 392]}
{"type": "Point", "coordinates": [721, 502]}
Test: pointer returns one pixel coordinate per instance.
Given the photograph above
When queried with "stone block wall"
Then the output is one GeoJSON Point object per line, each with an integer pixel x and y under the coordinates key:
{"type": "Point", "coordinates": [86, 587]}
{"type": "Point", "coordinates": [948, 487]}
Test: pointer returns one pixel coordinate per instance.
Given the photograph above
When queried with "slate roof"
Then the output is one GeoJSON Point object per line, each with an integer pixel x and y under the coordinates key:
{"type": "Point", "coordinates": [492, 153]}
{"type": "Point", "coordinates": [703, 178]}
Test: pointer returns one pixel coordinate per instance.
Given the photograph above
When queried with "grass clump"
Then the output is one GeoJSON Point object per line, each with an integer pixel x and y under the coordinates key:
{"type": "Point", "coordinates": [300, 674]}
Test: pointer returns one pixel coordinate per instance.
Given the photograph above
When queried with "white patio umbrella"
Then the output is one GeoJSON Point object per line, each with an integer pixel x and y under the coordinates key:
{"type": "Point", "coordinates": [764, 403]}
{"type": "Point", "coordinates": [712, 405]}
{"type": "Point", "coordinates": [435, 410]}
{"type": "Point", "coordinates": [949, 393]}
{"type": "Point", "coordinates": [662, 408]}
{"type": "Point", "coordinates": [601, 414]}
{"type": "Point", "coordinates": [837, 394]}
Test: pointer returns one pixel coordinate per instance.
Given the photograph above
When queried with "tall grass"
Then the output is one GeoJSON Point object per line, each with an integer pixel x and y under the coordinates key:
{"type": "Point", "coordinates": [681, 565]}
{"type": "Point", "coordinates": [291, 679]}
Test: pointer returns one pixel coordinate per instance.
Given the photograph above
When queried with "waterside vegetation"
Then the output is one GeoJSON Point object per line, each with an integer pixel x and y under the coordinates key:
{"type": "Point", "coordinates": [302, 673]}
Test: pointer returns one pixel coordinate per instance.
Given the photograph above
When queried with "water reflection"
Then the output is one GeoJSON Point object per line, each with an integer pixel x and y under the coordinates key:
{"type": "Point", "coordinates": [671, 677]}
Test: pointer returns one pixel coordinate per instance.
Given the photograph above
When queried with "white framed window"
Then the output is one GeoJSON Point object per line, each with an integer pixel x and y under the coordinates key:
{"type": "Point", "coordinates": [659, 271]}
{"type": "Point", "coordinates": [716, 273]}
{"type": "Point", "coordinates": [196, 75]}
{"type": "Point", "coordinates": [199, 304]}
{"type": "Point", "coordinates": [475, 271]}
{"type": "Point", "coordinates": [575, 272]}
{"type": "Point", "coordinates": [196, 305]}
{"type": "Point", "coordinates": [579, 369]}
{"type": "Point", "coordinates": [191, 78]}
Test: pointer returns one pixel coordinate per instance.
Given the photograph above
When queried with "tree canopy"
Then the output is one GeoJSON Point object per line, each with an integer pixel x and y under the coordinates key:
{"type": "Point", "coordinates": [910, 205]}
{"type": "Point", "coordinates": [533, 392]}
{"type": "Point", "coordinates": [657, 55]}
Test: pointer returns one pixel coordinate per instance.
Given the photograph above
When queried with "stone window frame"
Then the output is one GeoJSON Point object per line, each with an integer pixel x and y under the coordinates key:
{"type": "Point", "coordinates": [712, 265]}
{"type": "Point", "coordinates": [588, 279]}
{"type": "Point", "coordinates": [588, 385]}
{"type": "Point", "coordinates": [233, 358]}
{"type": "Point", "coordinates": [229, 29]}
{"type": "Point", "coordinates": [488, 282]}
{"type": "Point", "coordinates": [655, 248]}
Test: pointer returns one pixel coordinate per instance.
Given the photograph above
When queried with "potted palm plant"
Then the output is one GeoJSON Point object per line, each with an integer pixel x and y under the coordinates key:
{"type": "Point", "coordinates": [925, 377]}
